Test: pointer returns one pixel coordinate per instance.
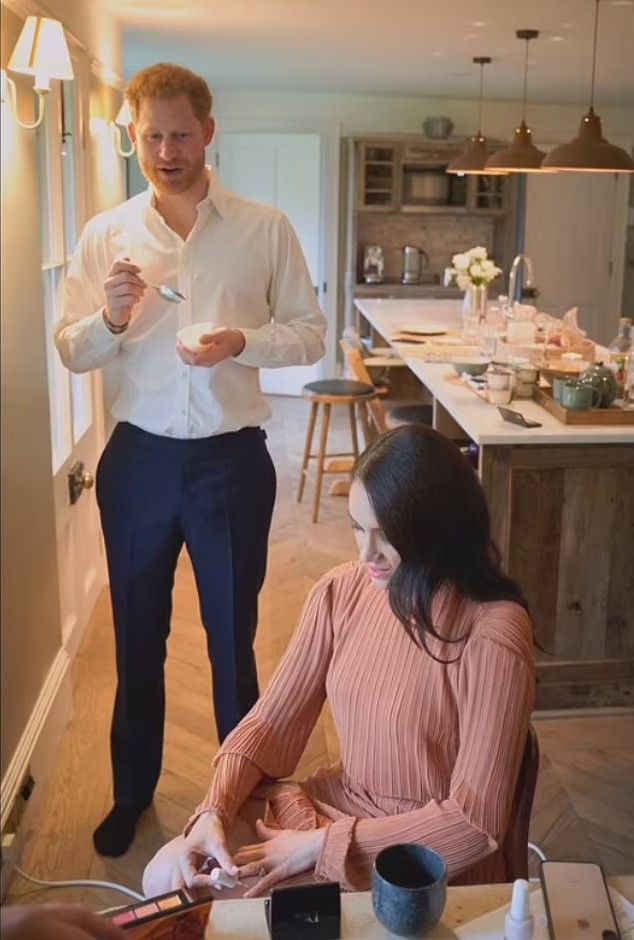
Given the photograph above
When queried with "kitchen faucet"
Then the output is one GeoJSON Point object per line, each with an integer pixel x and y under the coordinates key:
{"type": "Point", "coordinates": [517, 261]}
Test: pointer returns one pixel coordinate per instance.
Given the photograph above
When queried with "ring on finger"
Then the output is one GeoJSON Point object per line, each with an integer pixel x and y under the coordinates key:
{"type": "Point", "coordinates": [261, 871]}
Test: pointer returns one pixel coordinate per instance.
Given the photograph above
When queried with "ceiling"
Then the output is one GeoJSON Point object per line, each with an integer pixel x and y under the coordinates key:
{"type": "Point", "coordinates": [405, 47]}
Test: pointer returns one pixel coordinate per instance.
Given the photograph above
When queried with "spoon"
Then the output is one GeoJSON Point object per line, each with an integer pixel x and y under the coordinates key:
{"type": "Point", "coordinates": [168, 293]}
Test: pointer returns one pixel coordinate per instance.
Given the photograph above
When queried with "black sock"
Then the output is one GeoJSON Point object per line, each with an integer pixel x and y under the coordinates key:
{"type": "Point", "coordinates": [114, 835]}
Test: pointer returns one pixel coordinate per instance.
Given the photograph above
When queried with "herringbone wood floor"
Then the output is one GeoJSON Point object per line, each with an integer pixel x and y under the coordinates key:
{"type": "Point", "coordinates": [584, 806]}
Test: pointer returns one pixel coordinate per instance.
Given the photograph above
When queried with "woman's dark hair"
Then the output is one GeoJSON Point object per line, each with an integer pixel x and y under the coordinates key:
{"type": "Point", "coordinates": [429, 504]}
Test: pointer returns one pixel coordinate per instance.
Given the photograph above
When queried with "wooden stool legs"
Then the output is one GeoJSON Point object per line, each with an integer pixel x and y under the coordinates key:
{"type": "Point", "coordinates": [325, 425]}
{"type": "Point", "coordinates": [344, 466]}
{"type": "Point", "coordinates": [307, 448]}
{"type": "Point", "coordinates": [353, 430]}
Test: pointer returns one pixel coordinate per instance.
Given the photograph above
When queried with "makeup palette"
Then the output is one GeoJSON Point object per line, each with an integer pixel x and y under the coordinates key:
{"type": "Point", "coordinates": [164, 917]}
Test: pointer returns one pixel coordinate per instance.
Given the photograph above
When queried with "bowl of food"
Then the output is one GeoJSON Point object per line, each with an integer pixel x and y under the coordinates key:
{"type": "Point", "coordinates": [190, 335]}
{"type": "Point", "coordinates": [475, 365]}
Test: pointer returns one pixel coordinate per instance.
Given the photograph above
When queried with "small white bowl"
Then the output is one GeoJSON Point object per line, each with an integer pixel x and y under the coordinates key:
{"type": "Point", "coordinates": [190, 335]}
{"type": "Point", "coordinates": [498, 380]}
{"type": "Point", "coordinates": [499, 396]}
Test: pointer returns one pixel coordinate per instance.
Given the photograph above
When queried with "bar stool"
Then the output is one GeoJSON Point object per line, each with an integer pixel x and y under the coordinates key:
{"type": "Point", "coordinates": [329, 392]}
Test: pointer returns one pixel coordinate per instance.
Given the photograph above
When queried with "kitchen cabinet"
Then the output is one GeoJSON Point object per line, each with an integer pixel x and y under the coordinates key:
{"type": "Point", "coordinates": [411, 177]}
{"type": "Point", "coordinates": [397, 193]}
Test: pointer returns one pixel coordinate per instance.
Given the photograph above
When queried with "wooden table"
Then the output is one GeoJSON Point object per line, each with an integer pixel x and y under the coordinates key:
{"type": "Point", "coordinates": [561, 499]}
{"type": "Point", "coordinates": [231, 920]}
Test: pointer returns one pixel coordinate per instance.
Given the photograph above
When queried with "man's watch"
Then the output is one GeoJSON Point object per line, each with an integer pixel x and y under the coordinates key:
{"type": "Point", "coordinates": [115, 328]}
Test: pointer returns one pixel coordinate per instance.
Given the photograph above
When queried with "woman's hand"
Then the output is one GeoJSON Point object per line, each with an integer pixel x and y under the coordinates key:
{"type": "Point", "coordinates": [206, 838]}
{"type": "Point", "coordinates": [178, 863]}
{"type": "Point", "coordinates": [281, 854]}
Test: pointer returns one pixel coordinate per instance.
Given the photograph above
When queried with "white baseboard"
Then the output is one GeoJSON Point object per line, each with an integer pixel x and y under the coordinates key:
{"type": "Point", "coordinates": [36, 750]}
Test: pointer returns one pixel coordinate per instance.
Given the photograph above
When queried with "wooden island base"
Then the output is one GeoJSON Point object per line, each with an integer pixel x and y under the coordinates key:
{"type": "Point", "coordinates": [563, 518]}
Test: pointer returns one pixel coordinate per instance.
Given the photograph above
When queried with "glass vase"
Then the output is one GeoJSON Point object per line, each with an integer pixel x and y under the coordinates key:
{"type": "Point", "coordinates": [474, 308]}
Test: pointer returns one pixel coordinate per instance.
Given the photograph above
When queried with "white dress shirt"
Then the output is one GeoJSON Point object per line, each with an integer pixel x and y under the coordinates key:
{"type": "Point", "coordinates": [241, 266]}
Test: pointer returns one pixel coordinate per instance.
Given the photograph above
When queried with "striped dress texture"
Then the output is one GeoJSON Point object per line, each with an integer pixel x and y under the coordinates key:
{"type": "Point", "coordinates": [430, 752]}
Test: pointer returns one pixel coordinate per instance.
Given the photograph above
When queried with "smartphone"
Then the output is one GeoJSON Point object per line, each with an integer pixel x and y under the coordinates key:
{"type": "Point", "coordinates": [516, 417]}
{"type": "Point", "coordinates": [577, 901]}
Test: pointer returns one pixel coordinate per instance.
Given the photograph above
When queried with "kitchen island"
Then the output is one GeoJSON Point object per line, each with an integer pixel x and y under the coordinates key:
{"type": "Point", "coordinates": [561, 501]}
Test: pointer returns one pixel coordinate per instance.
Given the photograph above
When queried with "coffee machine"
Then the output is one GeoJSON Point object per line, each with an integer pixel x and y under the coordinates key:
{"type": "Point", "coordinates": [373, 264]}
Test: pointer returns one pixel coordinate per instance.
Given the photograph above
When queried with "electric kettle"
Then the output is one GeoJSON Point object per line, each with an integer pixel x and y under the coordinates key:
{"type": "Point", "coordinates": [413, 264]}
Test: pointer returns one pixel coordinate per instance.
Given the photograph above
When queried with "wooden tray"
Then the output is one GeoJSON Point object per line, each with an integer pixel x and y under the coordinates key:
{"type": "Point", "coordinates": [598, 416]}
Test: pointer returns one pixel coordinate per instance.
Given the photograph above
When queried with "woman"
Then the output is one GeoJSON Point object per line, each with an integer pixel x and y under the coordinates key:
{"type": "Point", "coordinates": [423, 649]}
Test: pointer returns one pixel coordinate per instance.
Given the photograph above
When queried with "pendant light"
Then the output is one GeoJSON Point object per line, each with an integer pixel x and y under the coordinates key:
{"type": "Point", "coordinates": [521, 156]}
{"type": "Point", "coordinates": [590, 152]}
{"type": "Point", "coordinates": [471, 160]}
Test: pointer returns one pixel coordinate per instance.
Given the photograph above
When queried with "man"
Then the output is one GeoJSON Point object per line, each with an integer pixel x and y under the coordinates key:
{"type": "Point", "coordinates": [187, 461]}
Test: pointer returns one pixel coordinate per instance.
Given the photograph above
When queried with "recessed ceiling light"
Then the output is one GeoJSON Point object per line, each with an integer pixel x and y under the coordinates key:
{"type": "Point", "coordinates": [479, 24]}
{"type": "Point", "coordinates": [565, 25]}
{"type": "Point", "coordinates": [556, 38]}
{"type": "Point", "coordinates": [437, 55]}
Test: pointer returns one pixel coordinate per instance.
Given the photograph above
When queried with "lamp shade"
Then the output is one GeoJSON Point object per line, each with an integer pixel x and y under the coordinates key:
{"type": "Point", "coordinates": [522, 156]}
{"type": "Point", "coordinates": [41, 50]}
{"type": "Point", "coordinates": [471, 161]}
{"type": "Point", "coordinates": [589, 152]}
{"type": "Point", "coordinates": [124, 115]}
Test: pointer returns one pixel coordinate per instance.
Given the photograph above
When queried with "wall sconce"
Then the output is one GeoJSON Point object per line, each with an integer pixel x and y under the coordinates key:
{"type": "Point", "coordinates": [123, 118]}
{"type": "Point", "coordinates": [41, 51]}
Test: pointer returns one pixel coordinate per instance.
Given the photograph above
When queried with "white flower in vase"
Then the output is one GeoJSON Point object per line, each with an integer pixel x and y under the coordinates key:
{"type": "Point", "coordinates": [461, 262]}
{"type": "Point", "coordinates": [478, 253]}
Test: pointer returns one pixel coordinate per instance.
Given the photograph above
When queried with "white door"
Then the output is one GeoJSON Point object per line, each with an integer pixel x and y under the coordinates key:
{"type": "Point", "coordinates": [569, 239]}
{"type": "Point", "coordinates": [75, 400]}
{"type": "Point", "coordinates": [281, 170]}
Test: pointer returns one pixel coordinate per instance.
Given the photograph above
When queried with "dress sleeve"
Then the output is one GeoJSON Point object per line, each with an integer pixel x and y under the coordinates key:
{"type": "Point", "coordinates": [83, 340]}
{"type": "Point", "coordinates": [495, 699]}
{"type": "Point", "coordinates": [270, 740]}
{"type": "Point", "coordinates": [295, 335]}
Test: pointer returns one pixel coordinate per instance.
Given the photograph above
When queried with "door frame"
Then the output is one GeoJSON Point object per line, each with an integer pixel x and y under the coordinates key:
{"type": "Point", "coordinates": [330, 136]}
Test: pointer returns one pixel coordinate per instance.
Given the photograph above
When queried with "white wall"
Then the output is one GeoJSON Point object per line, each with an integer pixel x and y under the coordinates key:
{"type": "Point", "coordinates": [31, 630]}
{"type": "Point", "coordinates": [551, 123]}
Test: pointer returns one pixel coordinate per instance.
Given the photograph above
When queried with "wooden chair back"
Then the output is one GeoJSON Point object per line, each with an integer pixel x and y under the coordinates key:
{"type": "Point", "coordinates": [354, 361]}
{"type": "Point", "coordinates": [515, 845]}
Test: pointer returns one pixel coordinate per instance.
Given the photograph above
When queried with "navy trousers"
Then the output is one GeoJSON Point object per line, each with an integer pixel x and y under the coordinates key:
{"type": "Point", "coordinates": [155, 493]}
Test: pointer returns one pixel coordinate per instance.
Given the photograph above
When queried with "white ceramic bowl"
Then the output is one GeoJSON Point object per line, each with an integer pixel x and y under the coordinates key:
{"type": "Point", "coordinates": [190, 335]}
{"type": "Point", "coordinates": [476, 365]}
{"type": "Point", "coordinates": [498, 380]}
{"type": "Point", "coordinates": [499, 396]}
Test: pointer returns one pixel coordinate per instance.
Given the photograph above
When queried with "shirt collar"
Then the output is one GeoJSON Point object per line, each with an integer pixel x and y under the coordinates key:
{"type": "Point", "coordinates": [216, 195]}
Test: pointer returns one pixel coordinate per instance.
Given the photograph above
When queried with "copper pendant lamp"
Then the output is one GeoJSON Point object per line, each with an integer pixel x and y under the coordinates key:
{"type": "Point", "coordinates": [590, 152]}
{"type": "Point", "coordinates": [471, 160]}
{"type": "Point", "coordinates": [521, 156]}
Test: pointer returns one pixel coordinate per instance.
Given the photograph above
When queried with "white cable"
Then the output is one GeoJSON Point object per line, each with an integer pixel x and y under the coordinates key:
{"type": "Point", "coordinates": [536, 849]}
{"type": "Point", "coordinates": [81, 884]}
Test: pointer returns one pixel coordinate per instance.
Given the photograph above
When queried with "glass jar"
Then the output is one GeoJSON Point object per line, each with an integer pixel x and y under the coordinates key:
{"type": "Point", "coordinates": [620, 352]}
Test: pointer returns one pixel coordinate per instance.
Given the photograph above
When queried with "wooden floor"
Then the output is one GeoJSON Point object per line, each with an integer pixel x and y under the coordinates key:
{"type": "Point", "coordinates": [584, 806]}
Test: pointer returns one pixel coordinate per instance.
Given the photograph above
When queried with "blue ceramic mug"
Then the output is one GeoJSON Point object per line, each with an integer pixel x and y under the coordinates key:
{"type": "Point", "coordinates": [579, 396]}
{"type": "Point", "coordinates": [409, 889]}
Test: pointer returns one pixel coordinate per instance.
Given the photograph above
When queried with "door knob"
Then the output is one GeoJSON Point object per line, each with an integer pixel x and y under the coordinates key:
{"type": "Point", "coordinates": [78, 481]}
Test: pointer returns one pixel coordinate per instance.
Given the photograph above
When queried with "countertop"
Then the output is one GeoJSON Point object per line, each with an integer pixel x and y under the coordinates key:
{"type": "Point", "coordinates": [245, 920]}
{"type": "Point", "coordinates": [480, 420]}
